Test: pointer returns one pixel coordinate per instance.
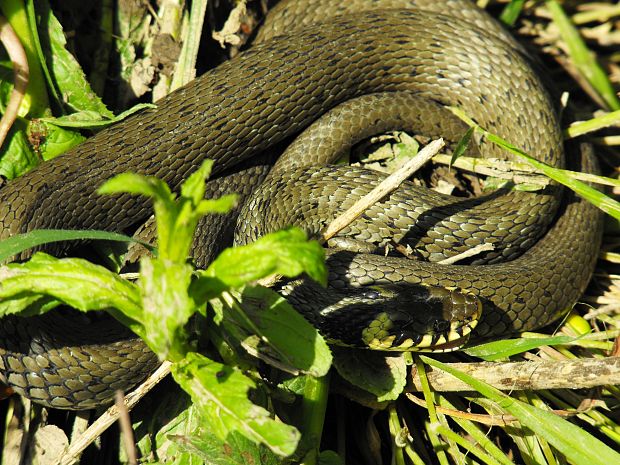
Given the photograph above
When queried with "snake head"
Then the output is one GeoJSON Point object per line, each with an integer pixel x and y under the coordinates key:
{"type": "Point", "coordinates": [421, 318]}
{"type": "Point", "coordinates": [389, 317]}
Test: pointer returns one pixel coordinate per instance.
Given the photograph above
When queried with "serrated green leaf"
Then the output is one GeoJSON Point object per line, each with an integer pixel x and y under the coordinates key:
{"type": "Point", "coordinates": [222, 205]}
{"type": "Point", "coordinates": [73, 281]}
{"type": "Point", "coordinates": [286, 252]}
{"type": "Point", "coordinates": [329, 457]}
{"type": "Point", "coordinates": [193, 187]}
{"type": "Point", "coordinates": [220, 393]}
{"type": "Point", "coordinates": [295, 385]}
{"type": "Point", "coordinates": [16, 154]}
{"type": "Point", "coordinates": [163, 204]}
{"type": "Point", "coordinates": [29, 305]}
{"type": "Point", "coordinates": [166, 306]}
{"type": "Point", "coordinates": [64, 70]}
{"type": "Point", "coordinates": [278, 334]}
{"type": "Point", "coordinates": [176, 219]}
{"type": "Point", "coordinates": [507, 347]}
{"type": "Point", "coordinates": [187, 212]}
{"type": "Point", "coordinates": [235, 450]}
{"type": "Point", "coordinates": [132, 183]}
{"type": "Point", "coordinates": [88, 119]}
{"type": "Point", "coordinates": [383, 375]}
{"type": "Point", "coordinates": [58, 140]}
{"type": "Point", "coordinates": [161, 426]}
{"type": "Point", "coordinates": [569, 439]}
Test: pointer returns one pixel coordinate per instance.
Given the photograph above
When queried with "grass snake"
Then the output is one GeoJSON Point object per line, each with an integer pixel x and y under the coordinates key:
{"type": "Point", "coordinates": [444, 53]}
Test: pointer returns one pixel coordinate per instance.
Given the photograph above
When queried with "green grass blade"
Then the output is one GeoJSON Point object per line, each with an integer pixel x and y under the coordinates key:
{"type": "Point", "coordinates": [504, 348]}
{"type": "Point", "coordinates": [584, 127]}
{"type": "Point", "coordinates": [565, 177]}
{"type": "Point", "coordinates": [582, 57]}
{"type": "Point", "coordinates": [462, 145]}
{"type": "Point", "coordinates": [572, 441]}
{"type": "Point", "coordinates": [511, 12]}
{"type": "Point", "coordinates": [21, 242]}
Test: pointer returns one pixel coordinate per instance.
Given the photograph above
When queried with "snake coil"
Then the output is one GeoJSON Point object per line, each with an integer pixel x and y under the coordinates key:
{"type": "Point", "coordinates": [446, 53]}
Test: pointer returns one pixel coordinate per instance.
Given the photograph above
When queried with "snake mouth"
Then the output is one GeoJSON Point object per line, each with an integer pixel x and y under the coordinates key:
{"type": "Point", "coordinates": [448, 318]}
{"type": "Point", "coordinates": [452, 339]}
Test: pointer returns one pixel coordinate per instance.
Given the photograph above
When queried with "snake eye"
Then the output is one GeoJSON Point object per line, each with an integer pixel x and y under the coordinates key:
{"type": "Point", "coordinates": [441, 326]}
{"type": "Point", "coordinates": [371, 294]}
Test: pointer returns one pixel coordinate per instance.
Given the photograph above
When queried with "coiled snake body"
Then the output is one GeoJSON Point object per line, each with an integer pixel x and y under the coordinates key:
{"type": "Point", "coordinates": [273, 91]}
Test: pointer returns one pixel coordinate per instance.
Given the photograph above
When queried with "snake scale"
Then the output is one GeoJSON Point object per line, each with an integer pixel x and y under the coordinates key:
{"type": "Point", "coordinates": [447, 53]}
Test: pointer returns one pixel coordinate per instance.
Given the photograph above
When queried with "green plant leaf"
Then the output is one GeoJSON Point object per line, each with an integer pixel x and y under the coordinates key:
{"type": "Point", "coordinates": [16, 154]}
{"type": "Point", "coordinates": [278, 334]}
{"type": "Point", "coordinates": [28, 305]}
{"type": "Point", "coordinates": [579, 128]}
{"type": "Point", "coordinates": [235, 450]}
{"type": "Point", "coordinates": [166, 425]}
{"type": "Point", "coordinates": [166, 306]}
{"type": "Point", "coordinates": [220, 394]}
{"type": "Point", "coordinates": [505, 348]}
{"type": "Point", "coordinates": [222, 205]}
{"type": "Point", "coordinates": [132, 183]}
{"type": "Point", "coordinates": [166, 210]}
{"type": "Point", "coordinates": [57, 140]}
{"type": "Point", "coordinates": [575, 443]}
{"type": "Point", "coordinates": [193, 187]}
{"type": "Point", "coordinates": [385, 376]}
{"type": "Point", "coordinates": [176, 219]}
{"type": "Point", "coordinates": [329, 457]}
{"type": "Point", "coordinates": [73, 281]}
{"type": "Point", "coordinates": [89, 119]}
{"type": "Point", "coordinates": [63, 70]}
{"type": "Point", "coordinates": [286, 252]}
{"type": "Point", "coordinates": [20, 242]}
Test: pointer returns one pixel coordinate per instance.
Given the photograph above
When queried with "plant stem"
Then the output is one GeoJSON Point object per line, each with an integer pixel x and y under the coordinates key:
{"type": "Point", "coordinates": [36, 93]}
{"type": "Point", "coordinates": [313, 408]}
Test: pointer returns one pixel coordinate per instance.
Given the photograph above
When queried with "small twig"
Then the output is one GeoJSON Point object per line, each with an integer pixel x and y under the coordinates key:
{"type": "Point", "coordinates": [80, 424]}
{"type": "Point", "coordinates": [517, 172]}
{"type": "Point", "coordinates": [110, 416]}
{"type": "Point", "coordinates": [531, 375]}
{"type": "Point", "coordinates": [125, 427]}
{"type": "Point", "coordinates": [467, 254]}
{"type": "Point", "coordinates": [386, 186]}
{"type": "Point", "coordinates": [490, 420]}
{"type": "Point", "coordinates": [21, 72]}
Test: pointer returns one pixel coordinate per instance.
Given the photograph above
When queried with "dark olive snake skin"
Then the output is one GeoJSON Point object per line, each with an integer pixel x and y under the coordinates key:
{"type": "Point", "coordinates": [273, 91]}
